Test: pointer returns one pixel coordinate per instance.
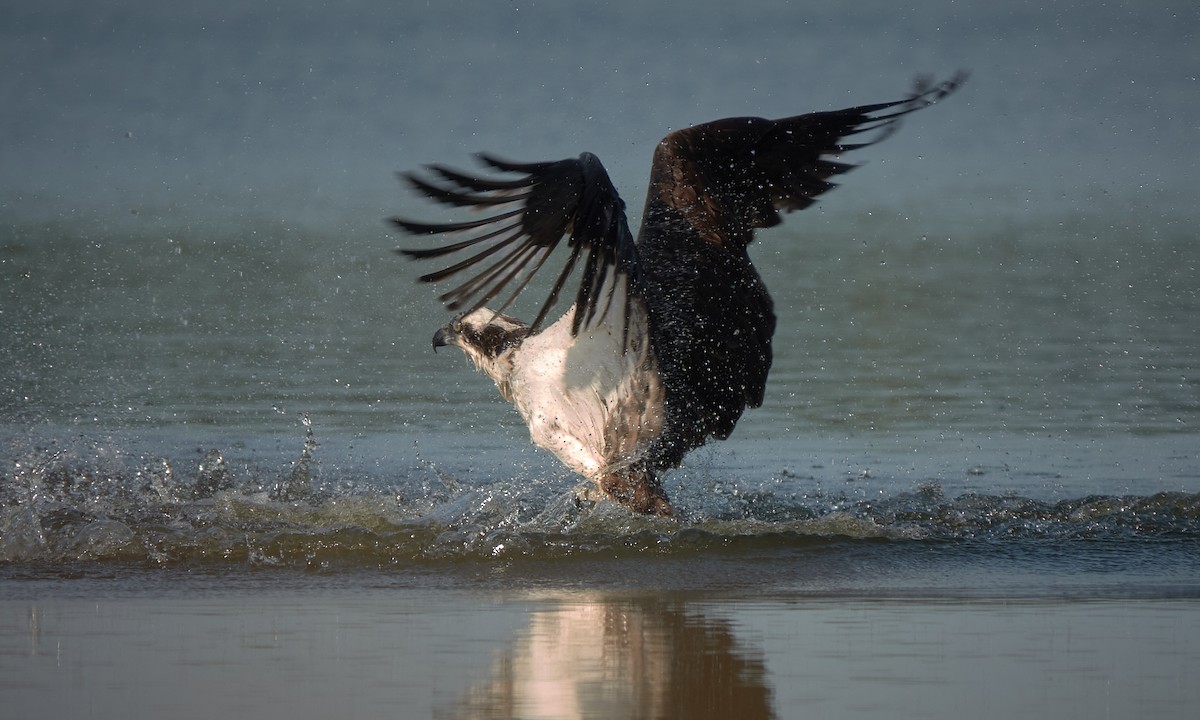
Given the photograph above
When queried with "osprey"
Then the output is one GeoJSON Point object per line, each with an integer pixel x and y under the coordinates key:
{"type": "Point", "coordinates": [668, 339]}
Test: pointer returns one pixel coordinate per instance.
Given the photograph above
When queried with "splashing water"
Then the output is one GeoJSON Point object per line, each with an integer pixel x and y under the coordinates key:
{"type": "Point", "coordinates": [62, 505]}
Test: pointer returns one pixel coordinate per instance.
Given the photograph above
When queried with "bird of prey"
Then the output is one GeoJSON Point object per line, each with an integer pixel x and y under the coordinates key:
{"type": "Point", "coordinates": [668, 338]}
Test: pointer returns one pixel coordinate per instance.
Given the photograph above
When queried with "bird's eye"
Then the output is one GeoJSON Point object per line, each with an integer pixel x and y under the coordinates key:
{"type": "Point", "coordinates": [458, 326]}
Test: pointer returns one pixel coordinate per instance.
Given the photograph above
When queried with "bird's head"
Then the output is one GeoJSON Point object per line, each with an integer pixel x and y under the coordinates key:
{"type": "Point", "coordinates": [483, 335]}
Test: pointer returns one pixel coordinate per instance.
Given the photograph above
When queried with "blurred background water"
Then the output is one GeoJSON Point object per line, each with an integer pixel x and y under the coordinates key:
{"type": "Point", "coordinates": [193, 202]}
{"type": "Point", "coordinates": [987, 376]}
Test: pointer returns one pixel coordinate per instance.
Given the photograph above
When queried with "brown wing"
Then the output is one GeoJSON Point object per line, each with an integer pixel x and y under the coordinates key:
{"type": "Point", "coordinates": [530, 215]}
{"type": "Point", "coordinates": [712, 319]}
{"type": "Point", "coordinates": [730, 176]}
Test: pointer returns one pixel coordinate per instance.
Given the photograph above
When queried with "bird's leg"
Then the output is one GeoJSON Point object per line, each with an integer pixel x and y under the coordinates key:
{"type": "Point", "coordinates": [636, 487]}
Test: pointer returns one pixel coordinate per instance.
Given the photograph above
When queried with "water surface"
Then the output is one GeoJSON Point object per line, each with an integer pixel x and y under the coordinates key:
{"type": "Point", "coordinates": [235, 479]}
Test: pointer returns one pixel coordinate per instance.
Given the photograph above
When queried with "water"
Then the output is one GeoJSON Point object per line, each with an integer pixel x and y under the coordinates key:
{"type": "Point", "coordinates": [233, 470]}
{"type": "Point", "coordinates": [884, 391]}
{"type": "Point", "coordinates": [965, 491]}
{"type": "Point", "coordinates": [316, 653]}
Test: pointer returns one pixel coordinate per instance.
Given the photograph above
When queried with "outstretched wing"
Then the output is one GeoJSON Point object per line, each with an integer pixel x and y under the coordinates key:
{"type": "Point", "coordinates": [712, 186]}
{"type": "Point", "coordinates": [529, 215]}
{"type": "Point", "coordinates": [730, 176]}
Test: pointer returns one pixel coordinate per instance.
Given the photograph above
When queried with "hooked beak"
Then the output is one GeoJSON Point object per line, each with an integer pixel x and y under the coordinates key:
{"type": "Point", "coordinates": [441, 338]}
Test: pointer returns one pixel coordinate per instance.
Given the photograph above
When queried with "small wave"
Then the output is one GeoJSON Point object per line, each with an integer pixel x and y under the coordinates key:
{"type": "Point", "coordinates": [63, 508]}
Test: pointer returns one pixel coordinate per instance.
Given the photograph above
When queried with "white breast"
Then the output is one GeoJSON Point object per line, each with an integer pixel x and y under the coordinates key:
{"type": "Point", "coordinates": [587, 399]}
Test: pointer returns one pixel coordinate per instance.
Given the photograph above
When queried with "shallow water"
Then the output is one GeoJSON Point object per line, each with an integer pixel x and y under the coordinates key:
{"type": "Point", "coordinates": [931, 577]}
{"type": "Point", "coordinates": [974, 487]}
{"type": "Point", "coordinates": [385, 648]}
{"type": "Point", "coordinates": [234, 479]}
{"type": "Point", "coordinates": [953, 389]}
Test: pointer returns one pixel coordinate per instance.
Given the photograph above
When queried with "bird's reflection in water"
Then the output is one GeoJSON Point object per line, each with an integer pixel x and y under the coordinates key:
{"type": "Point", "coordinates": [621, 658]}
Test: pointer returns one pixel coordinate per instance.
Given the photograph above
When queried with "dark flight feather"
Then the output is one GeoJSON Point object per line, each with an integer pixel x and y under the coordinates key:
{"type": "Point", "coordinates": [571, 198]}
{"type": "Point", "coordinates": [725, 177]}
